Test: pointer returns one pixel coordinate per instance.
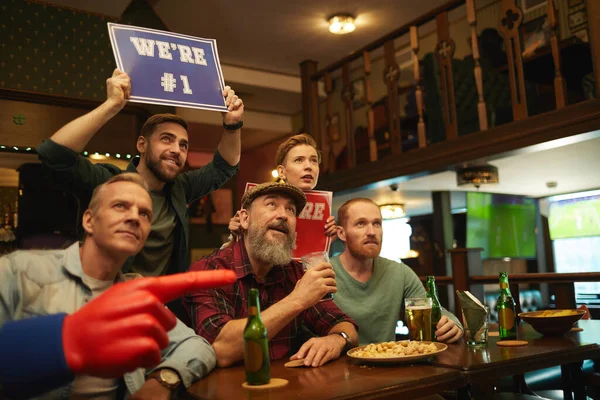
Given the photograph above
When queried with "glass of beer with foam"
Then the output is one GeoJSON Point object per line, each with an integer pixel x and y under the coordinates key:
{"type": "Point", "coordinates": [418, 318]}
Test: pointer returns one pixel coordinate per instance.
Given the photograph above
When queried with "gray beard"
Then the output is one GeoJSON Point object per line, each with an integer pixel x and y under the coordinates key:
{"type": "Point", "coordinates": [268, 252]}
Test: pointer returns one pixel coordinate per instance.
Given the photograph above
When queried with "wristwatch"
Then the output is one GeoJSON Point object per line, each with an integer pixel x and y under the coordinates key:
{"type": "Point", "coordinates": [167, 377]}
{"type": "Point", "coordinates": [348, 345]}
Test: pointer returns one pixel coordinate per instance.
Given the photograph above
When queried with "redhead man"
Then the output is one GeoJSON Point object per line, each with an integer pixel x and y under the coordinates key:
{"type": "Point", "coordinates": [372, 289]}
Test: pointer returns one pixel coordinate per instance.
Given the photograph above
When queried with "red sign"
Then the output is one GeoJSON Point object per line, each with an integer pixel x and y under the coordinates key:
{"type": "Point", "coordinates": [310, 224]}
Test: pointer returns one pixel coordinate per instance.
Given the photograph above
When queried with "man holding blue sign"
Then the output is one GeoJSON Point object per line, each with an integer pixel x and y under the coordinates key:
{"type": "Point", "coordinates": [163, 148]}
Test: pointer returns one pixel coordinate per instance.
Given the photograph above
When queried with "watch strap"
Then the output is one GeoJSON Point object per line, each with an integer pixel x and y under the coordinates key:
{"type": "Point", "coordinates": [345, 336]}
{"type": "Point", "coordinates": [233, 127]}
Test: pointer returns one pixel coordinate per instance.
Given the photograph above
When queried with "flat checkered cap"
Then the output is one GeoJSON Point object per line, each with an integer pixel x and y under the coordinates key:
{"type": "Point", "coordinates": [285, 189]}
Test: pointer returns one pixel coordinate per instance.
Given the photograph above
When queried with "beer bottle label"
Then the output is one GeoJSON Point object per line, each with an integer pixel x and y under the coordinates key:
{"type": "Point", "coordinates": [506, 318]}
{"type": "Point", "coordinates": [253, 356]}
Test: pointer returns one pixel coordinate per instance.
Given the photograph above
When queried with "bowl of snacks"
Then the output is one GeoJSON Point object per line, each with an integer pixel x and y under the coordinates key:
{"type": "Point", "coordinates": [552, 322]}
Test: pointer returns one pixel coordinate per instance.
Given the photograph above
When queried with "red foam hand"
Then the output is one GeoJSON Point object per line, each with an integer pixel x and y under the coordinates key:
{"type": "Point", "coordinates": [126, 327]}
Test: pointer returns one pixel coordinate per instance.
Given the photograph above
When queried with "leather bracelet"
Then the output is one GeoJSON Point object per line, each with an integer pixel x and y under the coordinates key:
{"type": "Point", "coordinates": [233, 127]}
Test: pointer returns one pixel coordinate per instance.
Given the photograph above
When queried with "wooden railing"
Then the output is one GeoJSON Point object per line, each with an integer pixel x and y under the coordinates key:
{"type": "Point", "coordinates": [508, 25]}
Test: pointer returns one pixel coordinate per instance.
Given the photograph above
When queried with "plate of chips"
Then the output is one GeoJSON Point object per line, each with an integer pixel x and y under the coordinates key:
{"type": "Point", "coordinates": [396, 352]}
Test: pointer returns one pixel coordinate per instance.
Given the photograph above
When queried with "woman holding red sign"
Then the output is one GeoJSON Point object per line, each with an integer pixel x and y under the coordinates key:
{"type": "Point", "coordinates": [297, 161]}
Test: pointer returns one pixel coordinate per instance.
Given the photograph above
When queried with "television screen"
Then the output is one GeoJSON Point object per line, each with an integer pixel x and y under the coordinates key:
{"type": "Point", "coordinates": [574, 218]}
{"type": "Point", "coordinates": [503, 225]}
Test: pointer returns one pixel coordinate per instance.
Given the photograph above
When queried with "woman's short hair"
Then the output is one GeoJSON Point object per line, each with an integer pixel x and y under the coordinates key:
{"type": "Point", "coordinates": [296, 140]}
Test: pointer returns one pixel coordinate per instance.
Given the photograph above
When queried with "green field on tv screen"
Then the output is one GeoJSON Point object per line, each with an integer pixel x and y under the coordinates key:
{"type": "Point", "coordinates": [570, 219]}
{"type": "Point", "coordinates": [504, 226]}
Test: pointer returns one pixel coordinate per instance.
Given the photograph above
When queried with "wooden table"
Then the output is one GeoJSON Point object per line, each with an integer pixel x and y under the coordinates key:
{"type": "Point", "coordinates": [486, 365]}
{"type": "Point", "coordinates": [340, 379]}
{"type": "Point", "coordinates": [455, 369]}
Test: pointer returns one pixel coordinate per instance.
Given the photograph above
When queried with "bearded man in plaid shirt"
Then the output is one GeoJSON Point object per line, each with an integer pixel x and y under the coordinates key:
{"type": "Point", "coordinates": [289, 297]}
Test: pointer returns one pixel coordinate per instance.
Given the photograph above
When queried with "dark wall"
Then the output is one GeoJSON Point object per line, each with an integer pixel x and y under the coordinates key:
{"type": "Point", "coordinates": [422, 240]}
{"type": "Point", "coordinates": [60, 51]}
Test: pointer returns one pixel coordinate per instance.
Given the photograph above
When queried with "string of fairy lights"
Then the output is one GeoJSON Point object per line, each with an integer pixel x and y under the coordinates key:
{"type": "Point", "coordinates": [94, 155]}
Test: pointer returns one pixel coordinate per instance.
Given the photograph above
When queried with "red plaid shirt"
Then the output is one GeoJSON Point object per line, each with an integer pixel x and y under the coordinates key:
{"type": "Point", "coordinates": [211, 309]}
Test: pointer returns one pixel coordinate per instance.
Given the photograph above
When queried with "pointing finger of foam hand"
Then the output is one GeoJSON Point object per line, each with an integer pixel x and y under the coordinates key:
{"type": "Point", "coordinates": [167, 288]}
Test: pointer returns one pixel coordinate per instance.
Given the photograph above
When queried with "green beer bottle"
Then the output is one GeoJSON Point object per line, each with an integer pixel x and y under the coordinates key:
{"type": "Point", "coordinates": [436, 308]}
{"type": "Point", "coordinates": [256, 344]}
{"type": "Point", "coordinates": [505, 306]}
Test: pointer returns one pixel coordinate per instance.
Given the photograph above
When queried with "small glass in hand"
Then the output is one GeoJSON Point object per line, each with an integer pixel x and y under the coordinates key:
{"type": "Point", "coordinates": [310, 260]}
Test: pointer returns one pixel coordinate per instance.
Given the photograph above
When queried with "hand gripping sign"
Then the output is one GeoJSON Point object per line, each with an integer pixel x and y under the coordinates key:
{"type": "Point", "coordinates": [169, 68]}
{"type": "Point", "coordinates": [310, 224]}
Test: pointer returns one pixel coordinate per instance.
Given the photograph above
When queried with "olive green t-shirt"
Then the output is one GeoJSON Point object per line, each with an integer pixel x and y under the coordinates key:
{"type": "Point", "coordinates": [376, 305]}
{"type": "Point", "coordinates": [155, 257]}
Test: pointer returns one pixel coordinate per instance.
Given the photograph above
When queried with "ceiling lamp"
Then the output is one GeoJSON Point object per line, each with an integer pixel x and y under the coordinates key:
{"type": "Point", "coordinates": [340, 24]}
{"type": "Point", "coordinates": [477, 175]}
{"type": "Point", "coordinates": [392, 211]}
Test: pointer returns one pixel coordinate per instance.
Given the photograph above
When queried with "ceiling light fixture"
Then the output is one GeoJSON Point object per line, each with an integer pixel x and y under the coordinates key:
{"type": "Point", "coordinates": [340, 24]}
{"type": "Point", "coordinates": [392, 211]}
{"type": "Point", "coordinates": [477, 175]}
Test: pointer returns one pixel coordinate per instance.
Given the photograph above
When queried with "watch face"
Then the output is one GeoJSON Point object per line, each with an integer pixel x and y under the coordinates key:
{"type": "Point", "coordinates": [169, 376]}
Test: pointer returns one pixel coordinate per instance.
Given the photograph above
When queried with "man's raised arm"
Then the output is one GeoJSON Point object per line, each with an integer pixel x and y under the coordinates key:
{"type": "Point", "coordinates": [230, 146]}
{"type": "Point", "coordinates": [77, 133]}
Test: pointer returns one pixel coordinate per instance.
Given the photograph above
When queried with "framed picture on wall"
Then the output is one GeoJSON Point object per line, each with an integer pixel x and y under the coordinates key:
{"type": "Point", "coordinates": [577, 20]}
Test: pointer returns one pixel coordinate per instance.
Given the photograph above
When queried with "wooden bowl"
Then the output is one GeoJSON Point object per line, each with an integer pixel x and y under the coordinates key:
{"type": "Point", "coordinates": [552, 325]}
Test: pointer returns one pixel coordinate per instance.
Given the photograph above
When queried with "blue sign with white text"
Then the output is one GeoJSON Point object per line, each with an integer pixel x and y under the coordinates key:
{"type": "Point", "coordinates": [169, 68]}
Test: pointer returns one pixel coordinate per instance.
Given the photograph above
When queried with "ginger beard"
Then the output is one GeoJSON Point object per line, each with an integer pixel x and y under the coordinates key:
{"type": "Point", "coordinates": [364, 248]}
